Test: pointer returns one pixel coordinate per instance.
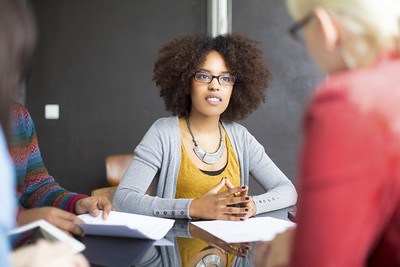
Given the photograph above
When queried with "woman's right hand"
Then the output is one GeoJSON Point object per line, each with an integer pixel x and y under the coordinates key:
{"type": "Point", "coordinates": [220, 206]}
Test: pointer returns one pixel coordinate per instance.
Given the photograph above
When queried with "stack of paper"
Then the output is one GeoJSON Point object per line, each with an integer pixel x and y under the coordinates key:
{"type": "Point", "coordinates": [123, 224]}
{"type": "Point", "coordinates": [253, 229]}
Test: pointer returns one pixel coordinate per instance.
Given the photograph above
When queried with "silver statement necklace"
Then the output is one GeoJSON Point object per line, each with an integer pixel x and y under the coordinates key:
{"type": "Point", "coordinates": [209, 158]}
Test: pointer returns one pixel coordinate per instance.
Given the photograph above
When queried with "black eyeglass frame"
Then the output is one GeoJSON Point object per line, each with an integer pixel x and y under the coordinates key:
{"type": "Point", "coordinates": [293, 30]}
{"type": "Point", "coordinates": [215, 76]}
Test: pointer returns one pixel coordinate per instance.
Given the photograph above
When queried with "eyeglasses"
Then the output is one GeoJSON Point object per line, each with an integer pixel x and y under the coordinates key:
{"type": "Point", "coordinates": [206, 77]}
{"type": "Point", "coordinates": [294, 30]}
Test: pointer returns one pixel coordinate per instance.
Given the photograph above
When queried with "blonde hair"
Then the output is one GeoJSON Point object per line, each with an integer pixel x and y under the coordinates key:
{"type": "Point", "coordinates": [371, 26]}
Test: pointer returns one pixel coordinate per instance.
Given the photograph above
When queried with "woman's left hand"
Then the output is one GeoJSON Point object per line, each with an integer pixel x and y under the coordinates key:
{"type": "Point", "coordinates": [250, 205]}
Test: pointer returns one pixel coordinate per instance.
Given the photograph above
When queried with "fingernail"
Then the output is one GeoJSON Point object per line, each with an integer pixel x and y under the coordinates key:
{"type": "Point", "coordinates": [241, 219]}
{"type": "Point", "coordinates": [247, 198]}
{"type": "Point", "coordinates": [243, 187]}
{"type": "Point", "coordinates": [246, 209]}
{"type": "Point", "coordinates": [247, 248]}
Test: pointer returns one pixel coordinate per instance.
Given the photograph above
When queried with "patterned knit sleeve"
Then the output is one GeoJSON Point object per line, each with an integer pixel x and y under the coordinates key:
{"type": "Point", "coordinates": [36, 188]}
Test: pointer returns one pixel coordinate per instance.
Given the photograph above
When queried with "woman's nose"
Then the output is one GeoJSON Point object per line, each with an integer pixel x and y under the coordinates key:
{"type": "Point", "coordinates": [214, 84]}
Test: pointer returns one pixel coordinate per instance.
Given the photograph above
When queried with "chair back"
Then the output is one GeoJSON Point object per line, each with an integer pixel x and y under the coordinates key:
{"type": "Point", "coordinates": [116, 166]}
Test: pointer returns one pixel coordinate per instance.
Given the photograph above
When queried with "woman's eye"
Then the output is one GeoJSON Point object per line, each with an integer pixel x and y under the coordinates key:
{"type": "Point", "coordinates": [203, 76]}
{"type": "Point", "coordinates": [226, 78]}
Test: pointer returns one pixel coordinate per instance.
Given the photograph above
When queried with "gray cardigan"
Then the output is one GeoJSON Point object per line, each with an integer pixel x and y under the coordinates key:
{"type": "Point", "coordinates": [157, 161]}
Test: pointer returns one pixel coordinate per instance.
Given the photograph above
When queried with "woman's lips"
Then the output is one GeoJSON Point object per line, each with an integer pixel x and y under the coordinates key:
{"type": "Point", "coordinates": [213, 99]}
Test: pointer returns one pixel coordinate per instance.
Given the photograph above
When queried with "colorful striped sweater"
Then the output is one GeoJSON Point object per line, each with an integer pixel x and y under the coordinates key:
{"type": "Point", "coordinates": [35, 187]}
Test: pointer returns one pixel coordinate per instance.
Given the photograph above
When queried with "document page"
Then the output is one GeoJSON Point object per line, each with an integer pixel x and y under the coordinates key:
{"type": "Point", "coordinates": [253, 229]}
{"type": "Point", "coordinates": [126, 225]}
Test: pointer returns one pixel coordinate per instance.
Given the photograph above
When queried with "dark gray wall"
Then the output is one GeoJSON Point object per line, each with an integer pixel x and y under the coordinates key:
{"type": "Point", "coordinates": [277, 124]}
{"type": "Point", "coordinates": [95, 59]}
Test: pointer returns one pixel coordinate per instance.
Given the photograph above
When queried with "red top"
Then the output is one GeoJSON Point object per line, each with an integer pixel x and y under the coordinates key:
{"type": "Point", "coordinates": [349, 191]}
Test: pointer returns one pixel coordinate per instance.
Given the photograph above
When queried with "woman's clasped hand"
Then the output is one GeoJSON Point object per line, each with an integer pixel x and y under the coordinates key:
{"type": "Point", "coordinates": [225, 205]}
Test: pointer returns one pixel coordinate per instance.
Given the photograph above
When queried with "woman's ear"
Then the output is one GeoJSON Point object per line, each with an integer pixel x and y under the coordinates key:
{"type": "Point", "coordinates": [329, 28]}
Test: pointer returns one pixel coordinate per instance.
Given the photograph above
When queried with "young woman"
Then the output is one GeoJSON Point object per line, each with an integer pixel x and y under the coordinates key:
{"type": "Point", "coordinates": [349, 205]}
{"type": "Point", "coordinates": [199, 161]}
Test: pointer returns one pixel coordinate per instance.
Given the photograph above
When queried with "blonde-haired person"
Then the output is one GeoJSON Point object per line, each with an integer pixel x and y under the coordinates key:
{"type": "Point", "coordinates": [349, 191]}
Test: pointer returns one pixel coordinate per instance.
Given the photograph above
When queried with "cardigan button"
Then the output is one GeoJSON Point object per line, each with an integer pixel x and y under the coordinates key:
{"type": "Point", "coordinates": [182, 213]}
{"type": "Point", "coordinates": [165, 213]}
{"type": "Point", "coordinates": [173, 213]}
{"type": "Point", "coordinates": [269, 200]}
{"type": "Point", "coordinates": [157, 213]}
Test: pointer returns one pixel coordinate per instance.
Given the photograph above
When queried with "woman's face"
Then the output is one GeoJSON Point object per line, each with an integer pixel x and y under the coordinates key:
{"type": "Point", "coordinates": [211, 99]}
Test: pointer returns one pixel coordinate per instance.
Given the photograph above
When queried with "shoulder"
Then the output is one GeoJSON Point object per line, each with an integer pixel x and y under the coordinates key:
{"type": "Point", "coordinates": [163, 128]}
{"type": "Point", "coordinates": [166, 123]}
{"type": "Point", "coordinates": [20, 112]}
{"type": "Point", "coordinates": [22, 121]}
{"type": "Point", "coordinates": [236, 130]}
{"type": "Point", "coordinates": [234, 127]}
{"type": "Point", "coordinates": [239, 136]}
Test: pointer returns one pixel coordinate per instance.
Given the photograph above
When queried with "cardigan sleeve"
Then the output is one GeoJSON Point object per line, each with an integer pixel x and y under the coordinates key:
{"type": "Point", "coordinates": [151, 156]}
{"type": "Point", "coordinates": [36, 187]}
{"type": "Point", "coordinates": [280, 192]}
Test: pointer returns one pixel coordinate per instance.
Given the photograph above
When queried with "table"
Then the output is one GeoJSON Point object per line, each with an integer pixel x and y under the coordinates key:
{"type": "Point", "coordinates": [112, 251]}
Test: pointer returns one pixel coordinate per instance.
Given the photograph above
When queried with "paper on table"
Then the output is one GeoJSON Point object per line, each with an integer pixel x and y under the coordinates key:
{"type": "Point", "coordinates": [253, 229]}
{"type": "Point", "coordinates": [126, 225]}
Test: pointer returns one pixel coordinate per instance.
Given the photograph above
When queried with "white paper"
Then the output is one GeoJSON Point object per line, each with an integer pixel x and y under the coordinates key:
{"type": "Point", "coordinates": [253, 229]}
{"type": "Point", "coordinates": [123, 224]}
{"type": "Point", "coordinates": [56, 233]}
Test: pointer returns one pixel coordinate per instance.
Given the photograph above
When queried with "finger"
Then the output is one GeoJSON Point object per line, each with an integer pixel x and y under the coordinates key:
{"type": "Point", "coordinates": [68, 216]}
{"type": "Point", "coordinates": [233, 210]}
{"type": "Point", "coordinates": [245, 191]}
{"type": "Point", "coordinates": [68, 226]}
{"type": "Point", "coordinates": [106, 205]}
{"type": "Point", "coordinates": [244, 246]}
{"type": "Point", "coordinates": [67, 221]}
{"type": "Point", "coordinates": [91, 205]}
{"type": "Point", "coordinates": [218, 187]}
{"type": "Point", "coordinates": [232, 191]}
{"type": "Point", "coordinates": [228, 217]}
{"type": "Point", "coordinates": [228, 183]}
{"type": "Point", "coordinates": [234, 201]}
{"type": "Point", "coordinates": [232, 250]}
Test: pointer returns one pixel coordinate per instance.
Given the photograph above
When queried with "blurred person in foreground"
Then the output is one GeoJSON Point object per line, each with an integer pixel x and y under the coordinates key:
{"type": "Point", "coordinates": [349, 193]}
{"type": "Point", "coordinates": [17, 37]}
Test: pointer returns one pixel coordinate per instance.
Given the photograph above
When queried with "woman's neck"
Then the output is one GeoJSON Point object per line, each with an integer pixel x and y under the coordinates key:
{"type": "Point", "coordinates": [204, 123]}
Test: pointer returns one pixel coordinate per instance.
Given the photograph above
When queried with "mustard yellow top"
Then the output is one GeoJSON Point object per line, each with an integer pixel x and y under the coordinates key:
{"type": "Point", "coordinates": [193, 183]}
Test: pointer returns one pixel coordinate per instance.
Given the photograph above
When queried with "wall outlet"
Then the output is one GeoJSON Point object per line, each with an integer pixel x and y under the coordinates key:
{"type": "Point", "coordinates": [51, 111]}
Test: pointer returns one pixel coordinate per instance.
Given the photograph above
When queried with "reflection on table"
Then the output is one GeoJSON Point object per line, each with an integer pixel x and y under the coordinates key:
{"type": "Point", "coordinates": [192, 247]}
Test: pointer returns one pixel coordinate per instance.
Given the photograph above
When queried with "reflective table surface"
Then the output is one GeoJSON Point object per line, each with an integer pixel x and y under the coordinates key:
{"type": "Point", "coordinates": [192, 246]}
